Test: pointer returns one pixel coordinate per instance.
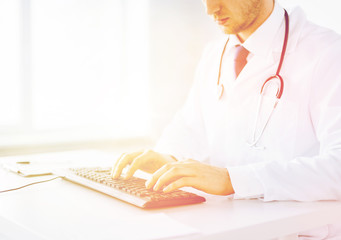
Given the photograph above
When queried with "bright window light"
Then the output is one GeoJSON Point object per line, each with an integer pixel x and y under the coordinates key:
{"type": "Point", "coordinates": [11, 63]}
{"type": "Point", "coordinates": [76, 62]}
{"type": "Point", "coordinates": [74, 67]}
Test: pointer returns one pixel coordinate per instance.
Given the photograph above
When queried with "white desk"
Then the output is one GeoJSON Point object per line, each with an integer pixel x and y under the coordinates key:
{"type": "Point", "coordinates": [63, 210]}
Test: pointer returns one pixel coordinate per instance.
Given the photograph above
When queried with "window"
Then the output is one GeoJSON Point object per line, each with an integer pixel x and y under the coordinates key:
{"type": "Point", "coordinates": [74, 69]}
{"type": "Point", "coordinates": [11, 66]}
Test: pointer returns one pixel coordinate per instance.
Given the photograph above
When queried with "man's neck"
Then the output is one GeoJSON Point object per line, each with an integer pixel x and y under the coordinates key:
{"type": "Point", "coordinates": [259, 20]}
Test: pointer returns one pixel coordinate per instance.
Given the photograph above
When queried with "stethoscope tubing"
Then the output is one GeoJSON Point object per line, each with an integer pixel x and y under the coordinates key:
{"type": "Point", "coordinates": [276, 77]}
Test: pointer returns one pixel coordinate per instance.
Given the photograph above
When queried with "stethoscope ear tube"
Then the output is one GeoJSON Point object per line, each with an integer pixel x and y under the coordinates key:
{"type": "Point", "coordinates": [284, 49]}
{"type": "Point", "coordinates": [285, 42]}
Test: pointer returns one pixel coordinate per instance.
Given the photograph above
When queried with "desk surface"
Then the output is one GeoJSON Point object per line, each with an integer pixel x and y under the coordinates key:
{"type": "Point", "coordinates": [63, 210]}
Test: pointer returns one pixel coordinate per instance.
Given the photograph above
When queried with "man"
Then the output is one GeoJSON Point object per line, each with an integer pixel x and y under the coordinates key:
{"type": "Point", "coordinates": [228, 143]}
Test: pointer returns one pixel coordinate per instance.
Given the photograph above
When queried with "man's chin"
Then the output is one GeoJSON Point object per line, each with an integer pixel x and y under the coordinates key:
{"type": "Point", "coordinates": [227, 30]}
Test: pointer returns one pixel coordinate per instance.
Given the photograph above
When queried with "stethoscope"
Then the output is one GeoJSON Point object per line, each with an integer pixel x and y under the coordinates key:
{"type": "Point", "coordinates": [277, 79]}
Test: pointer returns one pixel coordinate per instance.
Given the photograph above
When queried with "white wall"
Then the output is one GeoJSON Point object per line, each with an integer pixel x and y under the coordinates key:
{"type": "Point", "coordinates": [323, 12]}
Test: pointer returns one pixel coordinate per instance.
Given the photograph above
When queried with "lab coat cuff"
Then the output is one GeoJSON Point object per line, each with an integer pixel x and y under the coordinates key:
{"type": "Point", "coordinates": [245, 182]}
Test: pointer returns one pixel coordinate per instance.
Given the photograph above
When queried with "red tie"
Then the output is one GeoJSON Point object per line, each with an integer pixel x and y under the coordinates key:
{"type": "Point", "coordinates": [240, 59]}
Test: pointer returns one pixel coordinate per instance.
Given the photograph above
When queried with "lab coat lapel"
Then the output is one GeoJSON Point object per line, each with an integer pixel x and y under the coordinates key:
{"type": "Point", "coordinates": [297, 20]}
{"type": "Point", "coordinates": [262, 67]}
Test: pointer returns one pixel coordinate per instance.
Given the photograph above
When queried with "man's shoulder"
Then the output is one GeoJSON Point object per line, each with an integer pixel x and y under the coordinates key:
{"type": "Point", "coordinates": [313, 36]}
{"type": "Point", "coordinates": [319, 36]}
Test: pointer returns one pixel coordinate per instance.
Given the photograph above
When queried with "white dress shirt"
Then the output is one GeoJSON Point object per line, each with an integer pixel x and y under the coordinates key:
{"type": "Point", "coordinates": [301, 159]}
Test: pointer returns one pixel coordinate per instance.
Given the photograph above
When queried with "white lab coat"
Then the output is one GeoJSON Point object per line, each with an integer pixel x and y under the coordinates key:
{"type": "Point", "coordinates": [302, 156]}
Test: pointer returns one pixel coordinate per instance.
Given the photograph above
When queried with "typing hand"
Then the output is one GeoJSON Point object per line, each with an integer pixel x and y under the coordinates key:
{"type": "Point", "coordinates": [190, 173]}
{"type": "Point", "coordinates": [148, 161]}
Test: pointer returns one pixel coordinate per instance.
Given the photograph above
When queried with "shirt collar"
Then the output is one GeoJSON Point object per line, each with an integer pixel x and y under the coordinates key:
{"type": "Point", "coordinates": [261, 41]}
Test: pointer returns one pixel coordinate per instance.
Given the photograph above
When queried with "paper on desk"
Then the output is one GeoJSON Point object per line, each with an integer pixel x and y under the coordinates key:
{"type": "Point", "coordinates": [46, 163]}
{"type": "Point", "coordinates": [146, 226]}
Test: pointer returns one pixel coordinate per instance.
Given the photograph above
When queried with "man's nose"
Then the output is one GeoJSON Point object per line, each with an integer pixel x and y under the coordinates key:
{"type": "Point", "coordinates": [212, 6]}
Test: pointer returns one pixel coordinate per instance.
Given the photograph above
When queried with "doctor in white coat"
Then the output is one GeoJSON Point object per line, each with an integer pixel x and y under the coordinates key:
{"type": "Point", "coordinates": [234, 135]}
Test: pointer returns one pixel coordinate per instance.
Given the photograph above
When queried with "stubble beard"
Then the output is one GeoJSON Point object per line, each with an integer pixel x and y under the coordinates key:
{"type": "Point", "coordinates": [250, 12]}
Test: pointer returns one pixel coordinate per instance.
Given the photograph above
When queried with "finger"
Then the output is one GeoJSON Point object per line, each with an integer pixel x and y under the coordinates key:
{"type": "Point", "coordinates": [116, 163]}
{"type": "Point", "coordinates": [123, 162]}
{"type": "Point", "coordinates": [182, 182]}
{"type": "Point", "coordinates": [172, 175]}
{"type": "Point", "coordinates": [153, 179]}
{"type": "Point", "coordinates": [136, 163]}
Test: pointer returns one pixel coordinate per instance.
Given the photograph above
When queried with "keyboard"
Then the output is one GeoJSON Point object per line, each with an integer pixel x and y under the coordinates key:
{"type": "Point", "coordinates": [132, 190]}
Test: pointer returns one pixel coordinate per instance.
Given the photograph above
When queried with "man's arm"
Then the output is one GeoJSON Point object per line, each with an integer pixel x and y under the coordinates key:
{"type": "Point", "coordinates": [190, 173]}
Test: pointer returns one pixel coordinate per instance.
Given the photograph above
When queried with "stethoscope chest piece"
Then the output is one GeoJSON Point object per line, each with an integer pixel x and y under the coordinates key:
{"type": "Point", "coordinates": [220, 91]}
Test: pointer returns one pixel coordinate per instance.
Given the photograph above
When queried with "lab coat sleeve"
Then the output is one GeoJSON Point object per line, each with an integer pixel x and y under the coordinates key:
{"type": "Point", "coordinates": [185, 136]}
{"type": "Point", "coordinates": [305, 178]}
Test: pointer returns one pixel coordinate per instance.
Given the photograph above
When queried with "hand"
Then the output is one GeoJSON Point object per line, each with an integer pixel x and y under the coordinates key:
{"type": "Point", "coordinates": [148, 161]}
{"type": "Point", "coordinates": [190, 173]}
